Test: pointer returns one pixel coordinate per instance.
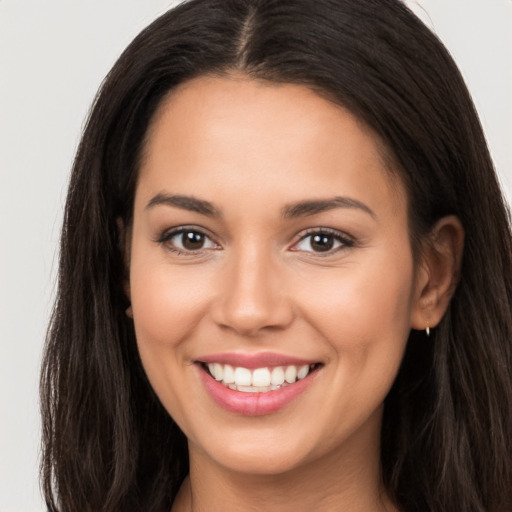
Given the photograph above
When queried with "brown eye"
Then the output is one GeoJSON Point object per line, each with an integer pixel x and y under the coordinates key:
{"type": "Point", "coordinates": [192, 240]}
{"type": "Point", "coordinates": [187, 240]}
{"type": "Point", "coordinates": [322, 242]}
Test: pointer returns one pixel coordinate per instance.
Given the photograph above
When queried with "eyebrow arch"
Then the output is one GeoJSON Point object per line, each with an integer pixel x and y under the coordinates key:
{"type": "Point", "coordinates": [189, 203]}
{"type": "Point", "coordinates": [314, 206]}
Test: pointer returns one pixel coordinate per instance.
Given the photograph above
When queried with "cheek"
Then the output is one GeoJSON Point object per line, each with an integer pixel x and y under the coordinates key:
{"type": "Point", "coordinates": [364, 317]}
{"type": "Point", "coordinates": [364, 298]}
{"type": "Point", "coordinates": [167, 302]}
{"type": "Point", "coordinates": [364, 312]}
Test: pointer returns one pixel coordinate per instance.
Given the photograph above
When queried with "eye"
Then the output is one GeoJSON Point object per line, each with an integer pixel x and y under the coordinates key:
{"type": "Point", "coordinates": [322, 241]}
{"type": "Point", "coordinates": [187, 240]}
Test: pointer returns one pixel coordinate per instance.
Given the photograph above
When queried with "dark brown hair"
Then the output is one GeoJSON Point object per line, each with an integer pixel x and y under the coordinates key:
{"type": "Point", "coordinates": [108, 444]}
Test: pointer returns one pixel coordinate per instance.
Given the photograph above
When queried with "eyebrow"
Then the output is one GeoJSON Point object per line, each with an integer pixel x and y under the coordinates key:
{"type": "Point", "coordinates": [300, 209]}
{"type": "Point", "coordinates": [312, 207]}
{"type": "Point", "coordinates": [189, 203]}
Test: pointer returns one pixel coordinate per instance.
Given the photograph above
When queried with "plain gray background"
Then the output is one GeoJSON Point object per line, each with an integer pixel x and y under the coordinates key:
{"type": "Point", "coordinates": [53, 56]}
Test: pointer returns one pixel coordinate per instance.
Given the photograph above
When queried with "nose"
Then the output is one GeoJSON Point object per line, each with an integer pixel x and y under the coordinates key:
{"type": "Point", "coordinates": [252, 297]}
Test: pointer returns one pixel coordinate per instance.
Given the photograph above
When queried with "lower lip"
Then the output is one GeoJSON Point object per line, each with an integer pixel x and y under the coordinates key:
{"type": "Point", "coordinates": [254, 404]}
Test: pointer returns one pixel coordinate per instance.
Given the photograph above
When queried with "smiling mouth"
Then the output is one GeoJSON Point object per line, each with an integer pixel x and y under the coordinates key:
{"type": "Point", "coordinates": [258, 380]}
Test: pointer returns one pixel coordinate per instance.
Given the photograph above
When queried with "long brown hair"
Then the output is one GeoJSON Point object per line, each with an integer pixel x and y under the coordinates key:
{"type": "Point", "coordinates": [108, 444]}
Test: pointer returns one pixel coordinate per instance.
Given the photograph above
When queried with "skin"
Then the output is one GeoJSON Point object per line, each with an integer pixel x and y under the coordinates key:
{"type": "Point", "coordinates": [258, 285]}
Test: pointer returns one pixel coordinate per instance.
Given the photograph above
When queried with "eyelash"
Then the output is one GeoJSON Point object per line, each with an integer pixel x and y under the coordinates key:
{"type": "Point", "coordinates": [345, 242]}
{"type": "Point", "coordinates": [167, 236]}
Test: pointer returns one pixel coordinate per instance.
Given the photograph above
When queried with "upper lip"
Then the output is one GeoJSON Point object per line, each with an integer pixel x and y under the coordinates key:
{"type": "Point", "coordinates": [252, 361]}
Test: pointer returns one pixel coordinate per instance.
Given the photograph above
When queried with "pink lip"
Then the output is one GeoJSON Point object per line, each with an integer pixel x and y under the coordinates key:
{"type": "Point", "coordinates": [252, 361]}
{"type": "Point", "coordinates": [253, 404]}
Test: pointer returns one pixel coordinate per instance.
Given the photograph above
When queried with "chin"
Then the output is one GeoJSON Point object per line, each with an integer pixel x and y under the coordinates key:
{"type": "Point", "coordinates": [264, 451]}
{"type": "Point", "coordinates": [259, 463]}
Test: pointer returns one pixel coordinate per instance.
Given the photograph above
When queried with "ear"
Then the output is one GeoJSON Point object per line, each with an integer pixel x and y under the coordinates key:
{"type": "Point", "coordinates": [438, 272]}
{"type": "Point", "coordinates": [125, 238]}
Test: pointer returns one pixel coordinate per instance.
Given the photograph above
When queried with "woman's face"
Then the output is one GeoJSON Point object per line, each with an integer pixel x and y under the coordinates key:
{"type": "Point", "coordinates": [268, 241]}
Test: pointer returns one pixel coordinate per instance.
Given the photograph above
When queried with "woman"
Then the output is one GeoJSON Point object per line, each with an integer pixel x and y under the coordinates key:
{"type": "Point", "coordinates": [285, 276]}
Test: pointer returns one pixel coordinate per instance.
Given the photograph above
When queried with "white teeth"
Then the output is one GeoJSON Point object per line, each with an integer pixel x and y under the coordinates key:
{"type": "Point", "coordinates": [259, 380]}
{"type": "Point", "coordinates": [256, 389]}
{"type": "Point", "coordinates": [247, 389]}
{"type": "Point", "coordinates": [229, 374]}
{"type": "Point", "coordinates": [303, 371]}
{"type": "Point", "coordinates": [277, 376]}
{"type": "Point", "coordinates": [243, 377]}
{"type": "Point", "coordinates": [218, 371]}
{"type": "Point", "coordinates": [290, 375]}
{"type": "Point", "coordinates": [261, 377]}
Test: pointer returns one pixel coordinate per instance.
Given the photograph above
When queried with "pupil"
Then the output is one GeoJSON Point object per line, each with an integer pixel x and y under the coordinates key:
{"type": "Point", "coordinates": [322, 243]}
{"type": "Point", "coordinates": [192, 240]}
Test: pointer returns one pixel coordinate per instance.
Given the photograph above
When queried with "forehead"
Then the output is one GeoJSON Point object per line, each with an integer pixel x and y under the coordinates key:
{"type": "Point", "coordinates": [257, 136]}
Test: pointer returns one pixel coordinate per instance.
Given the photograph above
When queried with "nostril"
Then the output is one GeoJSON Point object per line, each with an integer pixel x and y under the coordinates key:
{"type": "Point", "coordinates": [251, 296]}
{"type": "Point", "coordinates": [249, 318]}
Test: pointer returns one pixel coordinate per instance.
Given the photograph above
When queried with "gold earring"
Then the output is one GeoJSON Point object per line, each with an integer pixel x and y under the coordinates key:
{"type": "Point", "coordinates": [427, 330]}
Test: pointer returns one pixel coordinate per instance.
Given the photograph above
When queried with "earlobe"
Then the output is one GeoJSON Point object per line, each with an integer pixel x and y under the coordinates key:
{"type": "Point", "coordinates": [439, 272]}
